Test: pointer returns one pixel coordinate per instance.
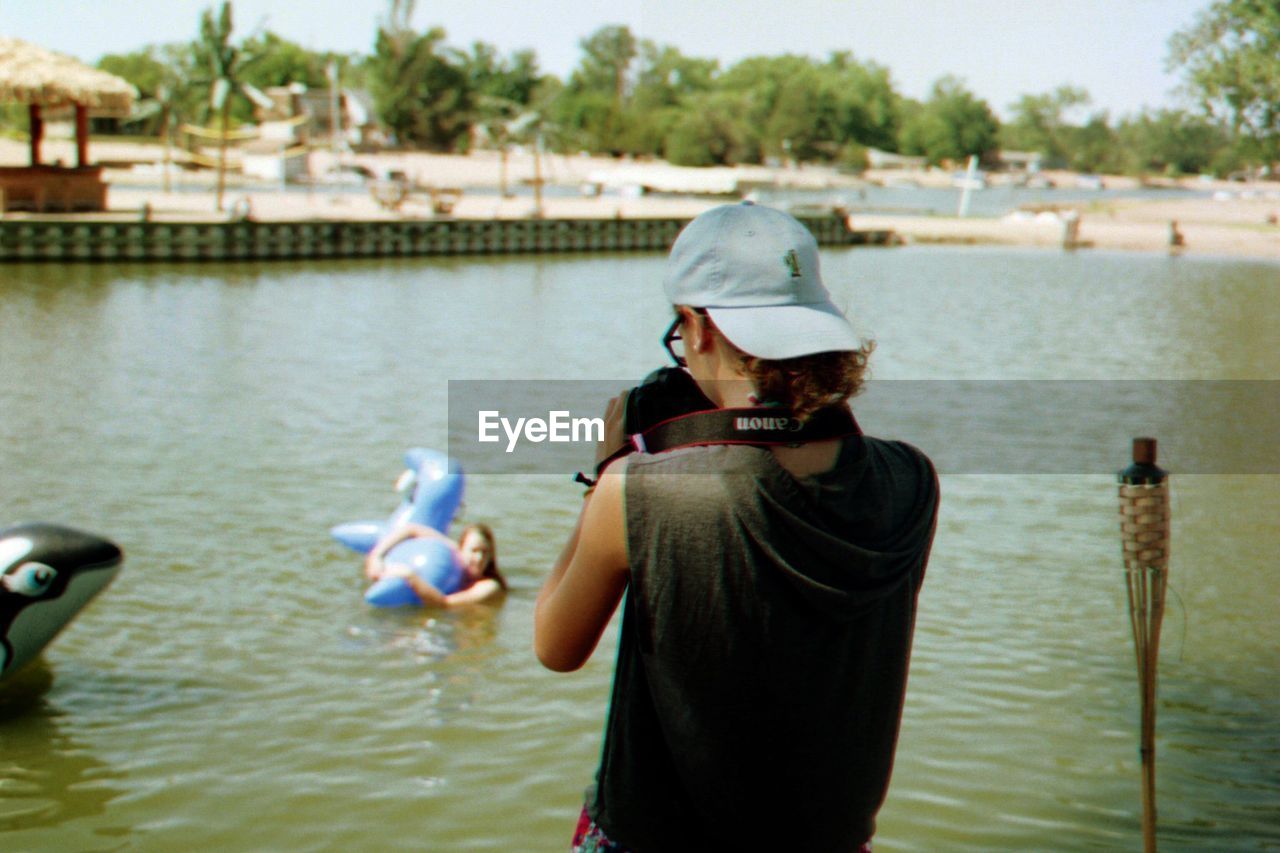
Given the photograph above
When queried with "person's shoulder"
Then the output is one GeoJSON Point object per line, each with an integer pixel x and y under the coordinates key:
{"type": "Point", "coordinates": [709, 457]}
{"type": "Point", "coordinates": [906, 479]}
{"type": "Point", "coordinates": [899, 454]}
{"type": "Point", "coordinates": [893, 446]}
{"type": "Point", "coordinates": [691, 477]}
{"type": "Point", "coordinates": [477, 592]}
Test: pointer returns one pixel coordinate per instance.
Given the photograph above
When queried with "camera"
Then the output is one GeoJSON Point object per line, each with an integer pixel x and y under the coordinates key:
{"type": "Point", "coordinates": [669, 410]}
{"type": "Point", "coordinates": [666, 393]}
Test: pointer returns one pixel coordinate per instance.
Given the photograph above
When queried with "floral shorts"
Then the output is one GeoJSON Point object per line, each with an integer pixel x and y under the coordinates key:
{"type": "Point", "coordinates": [589, 838]}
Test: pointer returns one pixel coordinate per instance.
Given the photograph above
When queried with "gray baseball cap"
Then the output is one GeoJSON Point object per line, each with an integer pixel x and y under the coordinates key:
{"type": "Point", "coordinates": [755, 270]}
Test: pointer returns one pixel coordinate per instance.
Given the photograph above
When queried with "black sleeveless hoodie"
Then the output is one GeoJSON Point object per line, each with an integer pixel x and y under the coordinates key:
{"type": "Point", "coordinates": [763, 654]}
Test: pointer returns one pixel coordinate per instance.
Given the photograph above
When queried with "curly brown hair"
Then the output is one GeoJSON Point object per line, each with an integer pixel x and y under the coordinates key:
{"type": "Point", "coordinates": [803, 384]}
{"type": "Point", "coordinates": [808, 383]}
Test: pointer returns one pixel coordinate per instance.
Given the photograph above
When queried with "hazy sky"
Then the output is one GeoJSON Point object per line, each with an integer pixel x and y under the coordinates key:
{"type": "Point", "coordinates": [1115, 49]}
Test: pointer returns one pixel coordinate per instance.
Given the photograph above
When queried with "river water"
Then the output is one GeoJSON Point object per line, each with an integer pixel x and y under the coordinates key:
{"type": "Point", "coordinates": [232, 691]}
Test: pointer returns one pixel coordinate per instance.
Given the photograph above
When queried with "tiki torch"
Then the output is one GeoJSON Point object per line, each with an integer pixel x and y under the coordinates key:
{"type": "Point", "coordinates": [1144, 534]}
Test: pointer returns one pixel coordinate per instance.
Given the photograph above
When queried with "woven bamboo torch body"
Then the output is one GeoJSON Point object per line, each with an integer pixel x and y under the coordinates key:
{"type": "Point", "coordinates": [1144, 534]}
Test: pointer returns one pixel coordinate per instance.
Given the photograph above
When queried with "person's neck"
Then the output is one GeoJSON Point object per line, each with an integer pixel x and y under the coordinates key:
{"type": "Point", "coordinates": [732, 393]}
{"type": "Point", "coordinates": [729, 388]}
{"type": "Point", "coordinates": [721, 379]}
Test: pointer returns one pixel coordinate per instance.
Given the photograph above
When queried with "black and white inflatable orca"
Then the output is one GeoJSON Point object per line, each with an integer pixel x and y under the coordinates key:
{"type": "Point", "coordinates": [48, 573]}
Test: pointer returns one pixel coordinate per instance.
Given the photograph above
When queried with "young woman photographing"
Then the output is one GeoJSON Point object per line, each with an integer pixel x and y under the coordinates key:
{"type": "Point", "coordinates": [772, 590]}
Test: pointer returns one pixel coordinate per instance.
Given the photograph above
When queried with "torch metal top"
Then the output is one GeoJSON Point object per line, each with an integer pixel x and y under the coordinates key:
{"type": "Point", "coordinates": [1144, 451]}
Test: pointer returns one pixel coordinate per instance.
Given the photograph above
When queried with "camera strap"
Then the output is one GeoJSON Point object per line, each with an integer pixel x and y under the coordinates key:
{"type": "Point", "coordinates": [761, 426]}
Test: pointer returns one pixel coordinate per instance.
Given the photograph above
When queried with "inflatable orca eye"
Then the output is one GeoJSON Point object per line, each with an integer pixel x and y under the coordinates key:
{"type": "Point", "coordinates": [30, 579]}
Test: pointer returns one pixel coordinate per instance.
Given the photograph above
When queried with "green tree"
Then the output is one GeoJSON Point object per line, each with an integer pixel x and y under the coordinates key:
{"type": "Point", "coordinates": [666, 76]}
{"type": "Point", "coordinates": [502, 94]}
{"type": "Point", "coordinates": [867, 108]}
{"type": "Point", "coordinates": [952, 125]}
{"type": "Point", "coordinates": [785, 112]}
{"type": "Point", "coordinates": [1230, 58]}
{"type": "Point", "coordinates": [420, 91]}
{"type": "Point", "coordinates": [281, 62]}
{"type": "Point", "coordinates": [158, 74]}
{"type": "Point", "coordinates": [800, 126]}
{"type": "Point", "coordinates": [219, 69]}
{"type": "Point", "coordinates": [513, 79]}
{"type": "Point", "coordinates": [1174, 142]}
{"type": "Point", "coordinates": [1040, 121]}
{"type": "Point", "coordinates": [710, 132]}
{"type": "Point", "coordinates": [1092, 146]}
{"type": "Point", "coordinates": [223, 65]}
{"type": "Point", "coordinates": [665, 81]}
{"type": "Point", "coordinates": [144, 68]}
{"type": "Point", "coordinates": [797, 107]}
{"type": "Point", "coordinates": [606, 65]}
{"type": "Point", "coordinates": [591, 109]}
{"type": "Point", "coordinates": [648, 99]}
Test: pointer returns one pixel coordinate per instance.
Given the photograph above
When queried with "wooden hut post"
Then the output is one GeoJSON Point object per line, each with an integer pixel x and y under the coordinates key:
{"type": "Point", "coordinates": [82, 136]}
{"type": "Point", "coordinates": [37, 132]}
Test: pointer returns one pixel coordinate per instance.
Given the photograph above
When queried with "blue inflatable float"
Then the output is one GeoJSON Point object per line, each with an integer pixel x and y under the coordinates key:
{"type": "Point", "coordinates": [48, 574]}
{"type": "Point", "coordinates": [432, 486]}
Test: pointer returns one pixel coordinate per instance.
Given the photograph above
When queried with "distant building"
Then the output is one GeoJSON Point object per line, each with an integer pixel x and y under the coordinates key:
{"type": "Point", "coordinates": [357, 127]}
{"type": "Point", "coordinates": [353, 123]}
{"type": "Point", "coordinates": [300, 118]}
{"type": "Point", "coordinates": [286, 102]}
{"type": "Point", "coordinates": [279, 153]}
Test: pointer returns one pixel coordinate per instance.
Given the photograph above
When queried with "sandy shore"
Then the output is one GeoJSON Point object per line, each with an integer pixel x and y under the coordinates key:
{"type": "Point", "coordinates": [1240, 222]}
{"type": "Point", "coordinates": [1234, 227]}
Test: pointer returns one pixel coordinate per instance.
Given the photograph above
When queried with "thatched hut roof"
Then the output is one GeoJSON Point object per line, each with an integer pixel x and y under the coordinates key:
{"type": "Point", "coordinates": [32, 75]}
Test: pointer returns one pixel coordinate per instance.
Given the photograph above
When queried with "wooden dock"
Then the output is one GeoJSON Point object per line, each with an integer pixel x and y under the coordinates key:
{"type": "Point", "coordinates": [94, 240]}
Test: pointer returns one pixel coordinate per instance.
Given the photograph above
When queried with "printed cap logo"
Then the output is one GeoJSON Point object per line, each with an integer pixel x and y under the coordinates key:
{"type": "Point", "coordinates": [792, 260]}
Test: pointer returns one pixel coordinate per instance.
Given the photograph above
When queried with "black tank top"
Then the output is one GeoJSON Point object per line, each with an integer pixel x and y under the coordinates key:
{"type": "Point", "coordinates": [762, 659]}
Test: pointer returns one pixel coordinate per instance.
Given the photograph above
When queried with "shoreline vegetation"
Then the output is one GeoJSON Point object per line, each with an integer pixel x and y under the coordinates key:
{"type": "Point", "coordinates": [643, 106]}
{"type": "Point", "coordinates": [1230, 219]}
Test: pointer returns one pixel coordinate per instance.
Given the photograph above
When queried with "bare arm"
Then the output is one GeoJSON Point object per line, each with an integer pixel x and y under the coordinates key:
{"type": "Point", "coordinates": [587, 581]}
{"type": "Point", "coordinates": [482, 590]}
{"type": "Point", "coordinates": [485, 589]}
{"type": "Point", "coordinates": [375, 565]}
{"type": "Point", "coordinates": [429, 595]}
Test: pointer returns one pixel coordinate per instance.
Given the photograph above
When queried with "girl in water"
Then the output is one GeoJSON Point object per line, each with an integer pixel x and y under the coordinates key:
{"type": "Point", "coordinates": [476, 551]}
